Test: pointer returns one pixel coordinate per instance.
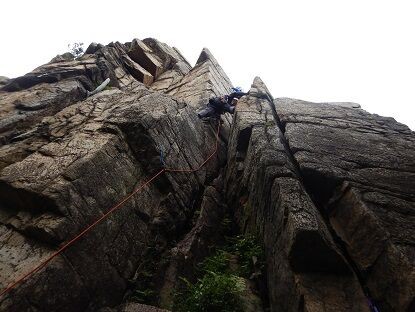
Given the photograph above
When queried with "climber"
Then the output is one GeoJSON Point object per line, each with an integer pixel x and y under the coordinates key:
{"type": "Point", "coordinates": [220, 105]}
{"type": "Point", "coordinates": [217, 106]}
{"type": "Point", "coordinates": [237, 93]}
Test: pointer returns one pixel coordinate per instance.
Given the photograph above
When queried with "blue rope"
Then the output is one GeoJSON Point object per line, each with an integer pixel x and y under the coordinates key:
{"type": "Point", "coordinates": [161, 156]}
{"type": "Point", "coordinates": [372, 306]}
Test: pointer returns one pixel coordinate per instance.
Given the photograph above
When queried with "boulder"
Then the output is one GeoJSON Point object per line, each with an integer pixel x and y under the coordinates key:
{"type": "Point", "coordinates": [137, 71]}
{"type": "Point", "coordinates": [175, 66]}
{"type": "Point", "coordinates": [140, 53]}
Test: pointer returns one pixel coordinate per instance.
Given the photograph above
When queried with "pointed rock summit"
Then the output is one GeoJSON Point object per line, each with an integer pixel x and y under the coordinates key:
{"type": "Point", "coordinates": [206, 55]}
{"type": "Point", "coordinates": [259, 89]}
{"type": "Point", "coordinates": [205, 80]}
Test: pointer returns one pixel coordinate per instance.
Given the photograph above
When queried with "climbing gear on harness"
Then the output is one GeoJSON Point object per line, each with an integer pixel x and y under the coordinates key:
{"type": "Point", "coordinates": [160, 148]}
{"type": "Point", "coordinates": [42, 264]}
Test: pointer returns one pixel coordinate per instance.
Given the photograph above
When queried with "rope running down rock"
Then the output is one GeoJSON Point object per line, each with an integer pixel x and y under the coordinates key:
{"type": "Point", "coordinates": [42, 264]}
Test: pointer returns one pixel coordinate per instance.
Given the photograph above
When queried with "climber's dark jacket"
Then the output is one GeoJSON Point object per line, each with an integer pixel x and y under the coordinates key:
{"type": "Point", "coordinates": [217, 103]}
{"type": "Point", "coordinates": [216, 107]}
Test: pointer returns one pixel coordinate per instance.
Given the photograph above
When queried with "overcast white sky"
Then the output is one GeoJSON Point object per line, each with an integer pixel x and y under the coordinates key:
{"type": "Point", "coordinates": [318, 50]}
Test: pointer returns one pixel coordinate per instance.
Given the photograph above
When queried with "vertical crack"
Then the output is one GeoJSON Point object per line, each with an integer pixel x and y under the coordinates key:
{"type": "Point", "coordinates": [324, 192]}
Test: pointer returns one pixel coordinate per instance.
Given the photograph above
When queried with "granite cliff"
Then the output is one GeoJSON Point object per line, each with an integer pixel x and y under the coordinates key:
{"type": "Point", "coordinates": [327, 188]}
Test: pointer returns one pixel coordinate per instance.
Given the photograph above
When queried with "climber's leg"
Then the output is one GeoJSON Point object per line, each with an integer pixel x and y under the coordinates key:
{"type": "Point", "coordinates": [207, 112]}
{"type": "Point", "coordinates": [228, 108]}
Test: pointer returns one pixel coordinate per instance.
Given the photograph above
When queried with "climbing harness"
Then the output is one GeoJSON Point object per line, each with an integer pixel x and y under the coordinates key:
{"type": "Point", "coordinates": [42, 264]}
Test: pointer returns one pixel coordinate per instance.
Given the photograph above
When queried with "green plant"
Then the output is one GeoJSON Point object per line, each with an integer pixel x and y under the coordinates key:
{"type": "Point", "coordinates": [218, 263]}
{"type": "Point", "coordinates": [142, 296]}
{"type": "Point", "coordinates": [220, 287]}
{"type": "Point", "coordinates": [213, 293]}
{"type": "Point", "coordinates": [250, 254]}
{"type": "Point", "coordinates": [142, 286]}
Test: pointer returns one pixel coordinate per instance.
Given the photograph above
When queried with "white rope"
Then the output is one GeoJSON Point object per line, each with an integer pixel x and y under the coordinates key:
{"type": "Point", "coordinates": [99, 88]}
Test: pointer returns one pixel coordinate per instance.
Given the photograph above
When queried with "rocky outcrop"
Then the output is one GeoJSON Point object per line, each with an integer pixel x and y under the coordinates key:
{"type": "Point", "coordinates": [306, 270]}
{"type": "Point", "coordinates": [205, 80]}
{"type": "Point", "coordinates": [3, 80]}
{"type": "Point", "coordinates": [327, 187]}
{"type": "Point", "coordinates": [176, 66]}
{"type": "Point", "coordinates": [55, 192]}
{"type": "Point", "coordinates": [77, 158]}
{"type": "Point", "coordinates": [303, 177]}
{"type": "Point", "coordinates": [25, 100]}
{"type": "Point", "coordinates": [360, 170]}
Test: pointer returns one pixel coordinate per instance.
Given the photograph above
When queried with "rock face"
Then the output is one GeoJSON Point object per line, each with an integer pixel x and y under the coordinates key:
{"type": "Point", "coordinates": [3, 80]}
{"type": "Point", "coordinates": [206, 79]}
{"type": "Point", "coordinates": [327, 187]}
{"type": "Point", "coordinates": [197, 244]}
{"type": "Point", "coordinates": [78, 157]}
{"type": "Point", "coordinates": [330, 191]}
{"type": "Point", "coordinates": [360, 169]}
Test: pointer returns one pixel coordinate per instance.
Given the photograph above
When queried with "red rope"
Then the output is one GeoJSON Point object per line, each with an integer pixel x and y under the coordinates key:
{"type": "Point", "coordinates": [99, 220]}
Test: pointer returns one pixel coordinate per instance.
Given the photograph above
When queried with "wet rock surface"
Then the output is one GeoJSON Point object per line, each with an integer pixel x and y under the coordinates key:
{"type": "Point", "coordinates": [327, 187]}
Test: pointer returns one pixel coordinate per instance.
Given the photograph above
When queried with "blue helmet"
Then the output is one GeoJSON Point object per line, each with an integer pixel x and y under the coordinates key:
{"type": "Point", "coordinates": [237, 89]}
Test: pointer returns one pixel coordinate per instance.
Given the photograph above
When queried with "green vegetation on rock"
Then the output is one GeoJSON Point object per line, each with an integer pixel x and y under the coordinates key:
{"type": "Point", "coordinates": [213, 292]}
{"type": "Point", "coordinates": [223, 278]}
